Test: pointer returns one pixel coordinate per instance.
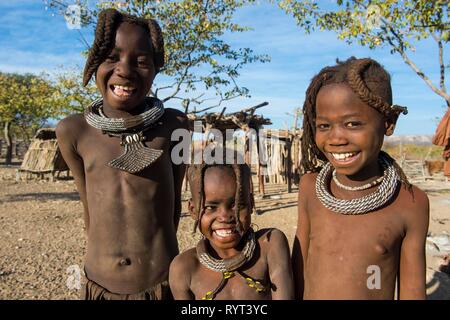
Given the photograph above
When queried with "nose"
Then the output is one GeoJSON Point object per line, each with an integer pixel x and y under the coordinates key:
{"type": "Point", "coordinates": [337, 136]}
{"type": "Point", "coordinates": [226, 214]}
{"type": "Point", "coordinates": [124, 68]}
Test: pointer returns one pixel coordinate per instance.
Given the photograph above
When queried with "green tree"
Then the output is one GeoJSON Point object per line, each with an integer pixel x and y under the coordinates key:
{"type": "Point", "coordinates": [71, 94]}
{"type": "Point", "coordinates": [396, 24]}
{"type": "Point", "coordinates": [26, 103]}
{"type": "Point", "coordinates": [200, 65]}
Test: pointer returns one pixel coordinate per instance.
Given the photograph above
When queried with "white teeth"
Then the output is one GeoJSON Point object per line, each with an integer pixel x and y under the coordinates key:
{"type": "Point", "coordinates": [123, 87]}
{"type": "Point", "coordinates": [343, 156]}
{"type": "Point", "coordinates": [224, 232]}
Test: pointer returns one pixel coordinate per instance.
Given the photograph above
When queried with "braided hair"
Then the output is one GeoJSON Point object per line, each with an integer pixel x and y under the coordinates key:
{"type": "Point", "coordinates": [196, 178]}
{"type": "Point", "coordinates": [370, 82]}
{"type": "Point", "coordinates": [108, 22]}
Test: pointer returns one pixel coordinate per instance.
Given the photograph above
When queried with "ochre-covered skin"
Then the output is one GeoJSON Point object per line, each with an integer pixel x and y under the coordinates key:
{"type": "Point", "coordinates": [131, 219]}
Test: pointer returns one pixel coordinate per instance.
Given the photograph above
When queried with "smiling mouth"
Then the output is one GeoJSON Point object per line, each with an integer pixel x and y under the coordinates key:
{"type": "Point", "coordinates": [345, 156]}
{"type": "Point", "coordinates": [225, 233]}
{"type": "Point", "coordinates": [122, 91]}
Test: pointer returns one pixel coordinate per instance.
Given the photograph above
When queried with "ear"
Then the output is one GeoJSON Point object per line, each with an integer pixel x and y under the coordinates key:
{"type": "Point", "coordinates": [191, 209]}
{"type": "Point", "coordinates": [389, 126]}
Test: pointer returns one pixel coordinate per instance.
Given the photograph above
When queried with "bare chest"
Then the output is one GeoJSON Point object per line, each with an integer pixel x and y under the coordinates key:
{"type": "Point", "coordinates": [250, 284]}
{"type": "Point", "coordinates": [376, 235]}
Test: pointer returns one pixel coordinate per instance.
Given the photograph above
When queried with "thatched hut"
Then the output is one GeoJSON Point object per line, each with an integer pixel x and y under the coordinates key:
{"type": "Point", "coordinates": [43, 155]}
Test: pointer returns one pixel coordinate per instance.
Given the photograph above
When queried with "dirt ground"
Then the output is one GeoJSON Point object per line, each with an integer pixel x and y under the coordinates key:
{"type": "Point", "coordinates": [42, 238]}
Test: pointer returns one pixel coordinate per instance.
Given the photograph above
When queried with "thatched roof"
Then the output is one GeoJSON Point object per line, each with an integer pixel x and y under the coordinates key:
{"type": "Point", "coordinates": [43, 155]}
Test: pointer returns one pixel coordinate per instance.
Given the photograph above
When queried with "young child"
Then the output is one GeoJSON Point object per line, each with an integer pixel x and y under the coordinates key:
{"type": "Point", "coordinates": [361, 225]}
{"type": "Point", "coordinates": [232, 261]}
{"type": "Point", "coordinates": [119, 154]}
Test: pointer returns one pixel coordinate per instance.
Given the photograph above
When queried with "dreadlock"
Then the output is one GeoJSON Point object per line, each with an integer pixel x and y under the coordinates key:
{"type": "Point", "coordinates": [108, 22]}
{"type": "Point", "coordinates": [196, 178]}
{"type": "Point", "coordinates": [367, 79]}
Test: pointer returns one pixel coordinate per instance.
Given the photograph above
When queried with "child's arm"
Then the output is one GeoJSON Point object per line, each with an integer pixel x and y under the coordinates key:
{"type": "Point", "coordinates": [179, 278]}
{"type": "Point", "coordinates": [178, 170]}
{"type": "Point", "coordinates": [66, 131]}
{"type": "Point", "coordinates": [280, 269]}
{"type": "Point", "coordinates": [412, 255]}
{"type": "Point", "coordinates": [301, 241]}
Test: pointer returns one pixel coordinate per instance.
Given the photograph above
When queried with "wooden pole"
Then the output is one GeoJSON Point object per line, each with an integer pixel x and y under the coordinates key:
{"type": "Point", "coordinates": [289, 164]}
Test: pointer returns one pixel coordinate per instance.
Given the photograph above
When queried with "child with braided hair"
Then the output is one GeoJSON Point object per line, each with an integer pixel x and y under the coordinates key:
{"type": "Point", "coordinates": [232, 261]}
{"type": "Point", "coordinates": [361, 224]}
{"type": "Point", "coordinates": [119, 153]}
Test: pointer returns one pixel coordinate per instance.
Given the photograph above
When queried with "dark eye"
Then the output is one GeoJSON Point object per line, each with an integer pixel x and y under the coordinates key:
{"type": "Point", "coordinates": [144, 62]}
{"type": "Point", "coordinates": [353, 124]}
{"type": "Point", "coordinates": [112, 57]}
{"type": "Point", "coordinates": [322, 126]}
{"type": "Point", "coordinates": [210, 208]}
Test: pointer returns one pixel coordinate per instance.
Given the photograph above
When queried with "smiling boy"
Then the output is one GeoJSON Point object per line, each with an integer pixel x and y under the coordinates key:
{"type": "Point", "coordinates": [119, 154]}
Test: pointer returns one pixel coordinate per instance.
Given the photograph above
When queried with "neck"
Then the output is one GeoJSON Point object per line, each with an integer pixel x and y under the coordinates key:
{"type": "Point", "coordinates": [368, 174]}
{"type": "Point", "coordinates": [117, 113]}
{"type": "Point", "coordinates": [222, 254]}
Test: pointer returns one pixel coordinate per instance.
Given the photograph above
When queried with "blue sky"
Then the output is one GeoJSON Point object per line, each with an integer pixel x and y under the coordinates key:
{"type": "Point", "coordinates": [32, 40]}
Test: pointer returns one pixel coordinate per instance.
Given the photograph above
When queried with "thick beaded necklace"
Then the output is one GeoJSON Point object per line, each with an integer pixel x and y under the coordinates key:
{"type": "Point", "coordinates": [363, 204]}
{"type": "Point", "coordinates": [229, 267]}
{"type": "Point", "coordinates": [136, 155]}
{"type": "Point", "coordinates": [358, 188]}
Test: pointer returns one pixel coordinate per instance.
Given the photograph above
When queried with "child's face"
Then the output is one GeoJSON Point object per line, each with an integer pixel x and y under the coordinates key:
{"type": "Point", "coordinates": [125, 77]}
{"type": "Point", "coordinates": [218, 223]}
{"type": "Point", "coordinates": [348, 131]}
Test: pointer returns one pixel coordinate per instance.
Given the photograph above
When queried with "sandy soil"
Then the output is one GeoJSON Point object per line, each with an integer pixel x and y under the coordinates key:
{"type": "Point", "coordinates": [42, 236]}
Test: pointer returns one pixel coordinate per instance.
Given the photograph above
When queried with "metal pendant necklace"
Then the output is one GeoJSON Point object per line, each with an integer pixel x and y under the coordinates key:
{"type": "Point", "coordinates": [136, 155]}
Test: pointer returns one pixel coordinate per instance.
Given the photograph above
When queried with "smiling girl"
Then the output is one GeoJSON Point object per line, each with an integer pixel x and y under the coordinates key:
{"type": "Point", "coordinates": [232, 261]}
{"type": "Point", "coordinates": [361, 224]}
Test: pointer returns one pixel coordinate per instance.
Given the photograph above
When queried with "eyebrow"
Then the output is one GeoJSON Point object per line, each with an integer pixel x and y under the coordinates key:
{"type": "Point", "coordinates": [214, 201]}
{"type": "Point", "coordinates": [138, 52]}
{"type": "Point", "coordinates": [345, 116]}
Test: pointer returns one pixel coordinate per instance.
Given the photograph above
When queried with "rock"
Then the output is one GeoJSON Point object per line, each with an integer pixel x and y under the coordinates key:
{"type": "Point", "coordinates": [432, 249]}
{"type": "Point", "coordinates": [442, 241]}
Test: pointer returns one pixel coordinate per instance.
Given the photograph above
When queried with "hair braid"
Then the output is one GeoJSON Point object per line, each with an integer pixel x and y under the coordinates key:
{"type": "Point", "coordinates": [238, 196]}
{"type": "Point", "coordinates": [358, 85]}
{"type": "Point", "coordinates": [108, 21]}
{"type": "Point", "coordinates": [311, 154]}
{"type": "Point", "coordinates": [158, 43]}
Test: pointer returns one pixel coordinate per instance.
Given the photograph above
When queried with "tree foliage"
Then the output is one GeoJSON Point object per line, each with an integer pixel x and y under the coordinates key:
{"type": "Point", "coordinates": [26, 100]}
{"type": "Point", "coordinates": [72, 96]}
{"type": "Point", "coordinates": [200, 65]}
{"type": "Point", "coordinates": [26, 103]}
{"type": "Point", "coordinates": [396, 24]}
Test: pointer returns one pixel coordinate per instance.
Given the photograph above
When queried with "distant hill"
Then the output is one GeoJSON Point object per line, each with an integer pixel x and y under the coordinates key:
{"type": "Point", "coordinates": [423, 140]}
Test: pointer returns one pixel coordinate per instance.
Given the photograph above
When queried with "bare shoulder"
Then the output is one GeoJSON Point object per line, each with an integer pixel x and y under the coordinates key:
{"type": "Point", "coordinates": [306, 189]}
{"type": "Point", "coordinates": [308, 179]}
{"type": "Point", "coordinates": [271, 238]}
{"type": "Point", "coordinates": [307, 182]}
{"type": "Point", "coordinates": [184, 263]}
{"type": "Point", "coordinates": [175, 118]}
{"type": "Point", "coordinates": [71, 126]}
{"type": "Point", "coordinates": [415, 205]}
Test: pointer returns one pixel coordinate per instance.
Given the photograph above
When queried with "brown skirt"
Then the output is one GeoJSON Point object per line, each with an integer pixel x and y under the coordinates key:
{"type": "Point", "coordinates": [94, 291]}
